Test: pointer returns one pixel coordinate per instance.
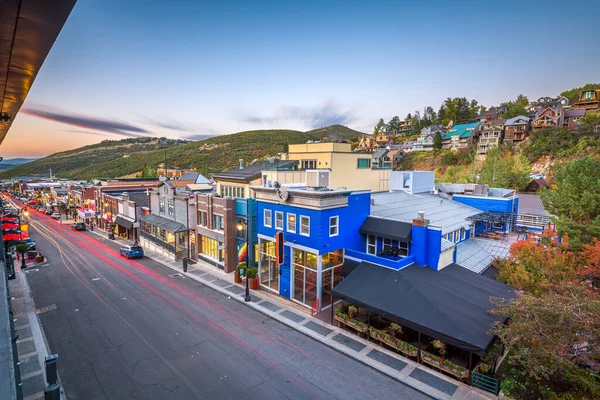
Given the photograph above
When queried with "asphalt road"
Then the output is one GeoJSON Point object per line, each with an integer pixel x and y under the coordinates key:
{"type": "Point", "coordinates": [127, 330]}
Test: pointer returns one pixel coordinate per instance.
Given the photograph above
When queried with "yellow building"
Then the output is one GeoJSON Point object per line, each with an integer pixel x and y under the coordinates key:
{"type": "Point", "coordinates": [348, 169]}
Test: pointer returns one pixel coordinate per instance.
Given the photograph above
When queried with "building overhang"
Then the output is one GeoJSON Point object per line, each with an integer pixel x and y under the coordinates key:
{"type": "Point", "coordinates": [28, 29]}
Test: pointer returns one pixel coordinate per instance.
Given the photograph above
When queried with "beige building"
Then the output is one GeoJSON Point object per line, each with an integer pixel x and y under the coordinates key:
{"type": "Point", "coordinates": [348, 169]}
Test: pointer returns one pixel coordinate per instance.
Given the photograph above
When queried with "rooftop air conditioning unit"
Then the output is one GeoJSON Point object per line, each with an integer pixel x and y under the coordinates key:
{"type": "Point", "coordinates": [317, 178]}
{"type": "Point", "coordinates": [481, 190]}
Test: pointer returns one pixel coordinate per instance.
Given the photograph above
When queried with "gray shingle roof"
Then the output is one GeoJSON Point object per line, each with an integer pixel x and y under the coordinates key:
{"type": "Point", "coordinates": [248, 173]}
{"type": "Point", "coordinates": [449, 215]}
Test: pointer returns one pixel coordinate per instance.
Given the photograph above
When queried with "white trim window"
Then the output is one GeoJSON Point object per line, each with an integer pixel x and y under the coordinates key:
{"type": "Point", "coordinates": [304, 225]}
{"type": "Point", "coordinates": [371, 244]}
{"type": "Point", "coordinates": [387, 244]}
{"type": "Point", "coordinates": [291, 223]}
{"type": "Point", "coordinates": [268, 218]}
{"type": "Point", "coordinates": [463, 233]}
{"type": "Point", "coordinates": [279, 220]}
{"type": "Point", "coordinates": [334, 223]}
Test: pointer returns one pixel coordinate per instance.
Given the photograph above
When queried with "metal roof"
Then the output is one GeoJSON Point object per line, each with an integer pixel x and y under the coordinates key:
{"type": "Point", "coordinates": [462, 130]}
{"type": "Point", "coordinates": [477, 254]}
{"type": "Point", "coordinates": [401, 206]}
{"type": "Point", "coordinates": [165, 223]}
{"type": "Point", "coordinates": [531, 204]}
{"type": "Point", "coordinates": [511, 121]}
{"type": "Point", "coordinates": [28, 29]}
{"type": "Point", "coordinates": [248, 173]}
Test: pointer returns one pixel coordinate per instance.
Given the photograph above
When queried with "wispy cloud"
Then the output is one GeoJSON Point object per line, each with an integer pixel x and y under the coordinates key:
{"type": "Point", "coordinates": [326, 114]}
{"type": "Point", "coordinates": [82, 121]}
{"type": "Point", "coordinates": [196, 138]}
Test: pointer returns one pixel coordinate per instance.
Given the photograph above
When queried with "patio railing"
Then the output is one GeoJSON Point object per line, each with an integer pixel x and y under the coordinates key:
{"type": "Point", "coordinates": [485, 382]}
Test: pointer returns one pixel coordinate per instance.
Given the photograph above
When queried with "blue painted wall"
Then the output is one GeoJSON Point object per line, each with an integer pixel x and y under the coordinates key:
{"type": "Point", "coordinates": [433, 248]}
{"type": "Point", "coordinates": [350, 220]}
{"type": "Point", "coordinates": [419, 248]}
{"type": "Point", "coordinates": [387, 262]}
{"type": "Point", "coordinates": [488, 203]}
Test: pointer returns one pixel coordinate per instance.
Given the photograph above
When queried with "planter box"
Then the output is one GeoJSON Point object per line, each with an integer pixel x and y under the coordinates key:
{"type": "Point", "coordinates": [396, 344]}
{"type": "Point", "coordinates": [237, 278]}
{"type": "Point", "coordinates": [253, 284]}
{"type": "Point", "coordinates": [351, 324]}
{"type": "Point", "coordinates": [436, 361]}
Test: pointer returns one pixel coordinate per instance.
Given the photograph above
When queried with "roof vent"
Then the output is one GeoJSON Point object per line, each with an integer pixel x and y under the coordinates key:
{"type": "Point", "coordinates": [421, 215]}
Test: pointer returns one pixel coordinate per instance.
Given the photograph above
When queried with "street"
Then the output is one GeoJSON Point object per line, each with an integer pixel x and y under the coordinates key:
{"type": "Point", "coordinates": [126, 329]}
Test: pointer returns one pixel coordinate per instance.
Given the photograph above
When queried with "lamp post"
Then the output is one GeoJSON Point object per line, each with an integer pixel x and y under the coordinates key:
{"type": "Point", "coordinates": [240, 226]}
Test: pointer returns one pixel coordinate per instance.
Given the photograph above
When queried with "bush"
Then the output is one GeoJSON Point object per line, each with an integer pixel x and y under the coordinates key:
{"type": "Point", "coordinates": [22, 248]}
{"type": "Point", "coordinates": [39, 258]}
{"type": "Point", "coordinates": [251, 273]}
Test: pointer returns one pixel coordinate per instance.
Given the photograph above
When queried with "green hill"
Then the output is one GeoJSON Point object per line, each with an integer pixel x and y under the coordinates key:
{"type": "Point", "coordinates": [111, 160]}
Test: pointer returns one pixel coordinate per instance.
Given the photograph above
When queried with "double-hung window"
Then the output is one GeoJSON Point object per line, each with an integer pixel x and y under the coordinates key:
{"type": "Point", "coordinates": [304, 225]}
{"type": "Point", "coordinates": [387, 244]}
{"type": "Point", "coordinates": [279, 220]}
{"type": "Point", "coordinates": [363, 163]}
{"type": "Point", "coordinates": [291, 223]}
{"type": "Point", "coordinates": [334, 225]}
{"type": "Point", "coordinates": [202, 218]}
{"type": "Point", "coordinates": [371, 244]}
{"type": "Point", "coordinates": [403, 246]}
{"type": "Point", "coordinates": [171, 208]}
{"type": "Point", "coordinates": [161, 205]}
{"type": "Point", "coordinates": [463, 233]}
{"type": "Point", "coordinates": [268, 218]}
{"type": "Point", "coordinates": [217, 222]}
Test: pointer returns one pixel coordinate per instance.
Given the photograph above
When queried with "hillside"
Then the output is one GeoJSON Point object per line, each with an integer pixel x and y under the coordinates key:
{"type": "Point", "coordinates": [211, 155]}
{"type": "Point", "coordinates": [95, 154]}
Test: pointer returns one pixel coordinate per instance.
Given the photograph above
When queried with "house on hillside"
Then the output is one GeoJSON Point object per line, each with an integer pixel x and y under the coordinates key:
{"type": "Point", "coordinates": [535, 185]}
{"type": "Point", "coordinates": [367, 143]}
{"type": "Point", "coordinates": [405, 126]}
{"type": "Point", "coordinates": [588, 100]}
{"type": "Point", "coordinates": [382, 139]}
{"type": "Point", "coordinates": [545, 102]}
{"type": "Point", "coordinates": [571, 118]}
{"type": "Point", "coordinates": [425, 141]}
{"type": "Point", "coordinates": [492, 113]}
{"type": "Point", "coordinates": [517, 129]}
{"type": "Point", "coordinates": [461, 136]}
{"type": "Point", "coordinates": [491, 135]}
{"type": "Point", "coordinates": [548, 118]}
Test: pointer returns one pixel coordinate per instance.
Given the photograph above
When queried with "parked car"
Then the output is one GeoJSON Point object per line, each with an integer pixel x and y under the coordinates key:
{"type": "Point", "coordinates": [42, 209]}
{"type": "Point", "coordinates": [55, 216]}
{"type": "Point", "coordinates": [49, 212]}
{"type": "Point", "coordinates": [29, 242]}
{"type": "Point", "coordinates": [79, 226]}
{"type": "Point", "coordinates": [132, 251]}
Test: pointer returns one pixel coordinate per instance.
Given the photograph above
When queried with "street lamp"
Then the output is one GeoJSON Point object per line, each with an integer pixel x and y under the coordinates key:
{"type": "Point", "coordinates": [240, 227]}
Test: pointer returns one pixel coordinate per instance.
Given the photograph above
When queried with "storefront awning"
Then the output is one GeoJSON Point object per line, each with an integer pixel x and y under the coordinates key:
{"type": "Point", "coordinates": [387, 228]}
{"type": "Point", "coordinates": [450, 305]}
{"type": "Point", "coordinates": [125, 223]}
{"type": "Point", "coordinates": [86, 213]}
{"type": "Point", "coordinates": [165, 223]}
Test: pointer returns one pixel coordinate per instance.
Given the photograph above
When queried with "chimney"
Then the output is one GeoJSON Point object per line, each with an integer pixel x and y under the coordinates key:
{"type": "Point", "coordinates": [241, 163]}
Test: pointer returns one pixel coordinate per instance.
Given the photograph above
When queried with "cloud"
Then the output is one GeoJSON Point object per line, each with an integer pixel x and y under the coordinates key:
{"type": "Point", "coordinates": [96, 124]}
{"type": "Point", "coordinates": [197, 138]}
{"type": "Point", "coordinates": [326, 114]}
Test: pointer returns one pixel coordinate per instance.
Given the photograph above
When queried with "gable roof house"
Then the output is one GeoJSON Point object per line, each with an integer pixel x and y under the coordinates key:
{"type": "Point", "coordinates": [517, 129]}
{"type": "Point", "coordinates": [491, 135]}
{"type": "Point", "coordinates": [425, 141]}
{"type": "Point", "coordinates": [462, 136]}
{"type": "Point", "coordinates": [545, 102]}
{"type": "Point", "coordinates": [548, 118]}
{"type": "Point", "coordinates": [532, 215]}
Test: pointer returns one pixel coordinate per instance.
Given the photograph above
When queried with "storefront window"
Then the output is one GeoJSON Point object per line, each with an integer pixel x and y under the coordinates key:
{"type": "Point", "coordinates": [305, 259]}
{"type": "Point", "coordinates": [210, 247]}
{"type": "Point", "coordinates": [333, 258]}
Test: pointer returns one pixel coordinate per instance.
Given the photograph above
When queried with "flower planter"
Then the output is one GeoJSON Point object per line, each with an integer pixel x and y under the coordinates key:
{"type": "Point", "coordinates": [445, 365]}
{"type": "Point", "coordinates": [237, 278]}
{"type": "Point", "coordinates": [253, 283]}
{"type": "Point", "coordinates": [352, 323]}
{"type": "Point", "coordinates": [397, 344]}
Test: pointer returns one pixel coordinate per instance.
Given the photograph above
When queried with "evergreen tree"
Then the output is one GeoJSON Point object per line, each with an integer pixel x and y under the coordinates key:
{"type": "Point", "coordinates": [437, 141]}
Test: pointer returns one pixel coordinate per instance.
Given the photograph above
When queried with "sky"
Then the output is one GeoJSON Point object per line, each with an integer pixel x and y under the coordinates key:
{"type": "Point", "coordinates": [182, 69]}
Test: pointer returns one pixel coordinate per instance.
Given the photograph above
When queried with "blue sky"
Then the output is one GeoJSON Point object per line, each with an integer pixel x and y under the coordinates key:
{"type": "Point", "coordinates": [186, 68]}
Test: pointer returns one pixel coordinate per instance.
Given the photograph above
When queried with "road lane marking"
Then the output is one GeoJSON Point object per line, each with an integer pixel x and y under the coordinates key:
{"type": "Point", "coordinates": [95, 279]}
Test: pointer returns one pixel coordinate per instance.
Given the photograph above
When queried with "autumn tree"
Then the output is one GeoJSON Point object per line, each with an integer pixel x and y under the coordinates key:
{"type": "Point", "coordinates": [575, 201]}
{"type": "Point", "coordinates": [554, 343]}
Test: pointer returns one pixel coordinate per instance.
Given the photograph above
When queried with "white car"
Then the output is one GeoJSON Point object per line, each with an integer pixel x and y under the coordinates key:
{"type": "Point", "coordinates": [55, 216]}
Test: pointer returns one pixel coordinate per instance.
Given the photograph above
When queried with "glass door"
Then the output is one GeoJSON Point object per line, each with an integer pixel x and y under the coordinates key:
{"type": "Point", "coordinates": [269, 270]}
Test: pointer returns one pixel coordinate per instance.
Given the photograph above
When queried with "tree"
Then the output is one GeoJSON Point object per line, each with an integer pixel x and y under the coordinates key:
{"type": "Point", "coordinates": [148, 172]}
{"type": "Point", "coordinates": [459, 109]}
{"type": "Point", "coordinates": [437, 140]}
{"type": "Point", "coordinates": [516, 107]}
{"type": "Point", "coordinates": [589, 123]}
{"type": "Point", "coordinates": [22, 248]}
{"type": "Point", "coordinates": [379, 127]}
{"type": "Point", "coordinates": [575, 201]}
{"type": "Point", "coordinates": [554, 343]}
{"type": "Point", "coordinates": [502, 168]}
{"type": "Point", "coordinates": [590, 271]}
{"type": "Point", "coordinates": [394, 124]}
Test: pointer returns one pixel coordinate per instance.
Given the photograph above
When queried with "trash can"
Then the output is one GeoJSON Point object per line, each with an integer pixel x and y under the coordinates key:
{"type": "Point", "coordinates": [184, 262]}
{"type": "Point", "coordinates": [111, 236]}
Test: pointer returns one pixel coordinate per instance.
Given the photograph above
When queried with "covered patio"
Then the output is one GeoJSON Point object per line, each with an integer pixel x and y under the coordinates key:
{"type": "Point", "coordinates": [436, 317]}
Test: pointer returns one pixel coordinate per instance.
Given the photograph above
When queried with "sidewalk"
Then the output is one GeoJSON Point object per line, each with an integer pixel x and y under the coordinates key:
{"type": "Point", "coordinates": [297, 317]}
